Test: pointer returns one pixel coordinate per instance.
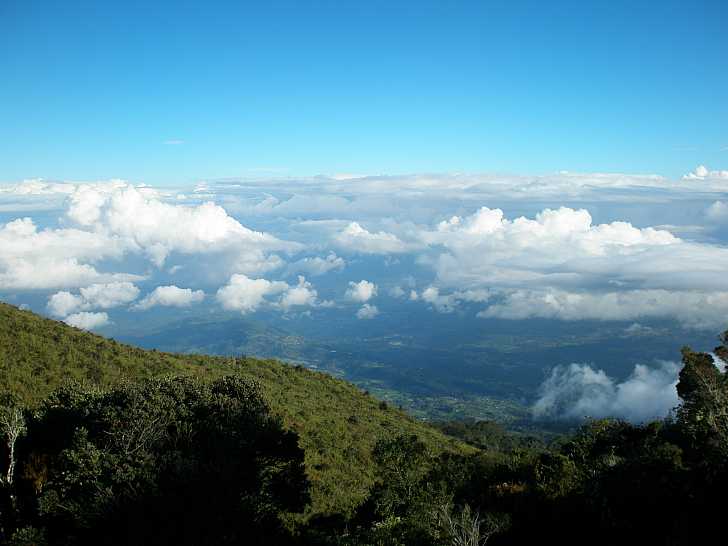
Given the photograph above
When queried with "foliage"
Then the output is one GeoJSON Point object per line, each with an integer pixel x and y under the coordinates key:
{"type": "Point", "coordinates": [135, 456]}
{"type": "Point", "coordinates": [489, 435]}
{"type": "Point", "coordinates": [704, 391]}
{"type": "Point", "coordinates": [611, 482]}
{"type": "Point", "coordinates": [468, 528]}
{"type": "Point", "coordinates": [164, 461]}
{"type": "Point", "coordinates": [338, 425]}
{"type": "Point", "coordinates": [12, 426]}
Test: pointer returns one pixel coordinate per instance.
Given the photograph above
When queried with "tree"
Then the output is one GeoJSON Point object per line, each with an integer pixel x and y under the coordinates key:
{"type": "Point", "coordinates": [12, 426]}
{"type": "Point", "coordinates": [403, 463]}
{"type": "Point", "coordinates": [467, 527]}
{"type": "Point", "coordinates": [165, 461]}
{"type": "Point", "coordinates": [703, 389]}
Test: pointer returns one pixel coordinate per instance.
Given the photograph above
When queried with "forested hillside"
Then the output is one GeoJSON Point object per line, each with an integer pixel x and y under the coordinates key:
{"type": "Point", "coordinates": [338, 424]}
{"type": "Point", "coordinates": [152, 448]}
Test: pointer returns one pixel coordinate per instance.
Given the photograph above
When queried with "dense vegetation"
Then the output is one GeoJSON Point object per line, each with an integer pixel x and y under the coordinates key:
{"type": "Point", "coordinates": [337, 423]}
{"type": "Point", "coordinates": [130, 465]}
{"type": "Point", "coordinates": [236, 451]}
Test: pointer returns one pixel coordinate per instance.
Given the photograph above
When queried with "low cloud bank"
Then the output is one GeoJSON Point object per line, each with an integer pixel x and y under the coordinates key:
{"type": "Point", "coordinates": [578, 391]}
{"type": "Point", "coordinates": [507, 247]}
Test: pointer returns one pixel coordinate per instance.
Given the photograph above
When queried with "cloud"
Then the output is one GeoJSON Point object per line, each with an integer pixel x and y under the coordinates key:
{"type": "Point", "coordinates": [87, 321]}
{"type": "Point", "coordinates": [526, 248]}
{"type": "Point", "coordinates": [303, 294]}
{"type": "Point", "coordinates": [86, 203]}
{"type": "Point", "coordinates": [44, 259]}
{"type": "Point", "coordinates": [447, 303]}
{"type": "Point", "coordinates": [64, 303]}
{"type": "Point", "coordinates": [549, 228]}
{"type": "Point", "coordinates": [560, 265]}
{"type": "Point", "coordinates": [397, 292]}
{"type": "Point", "coordinates": [701, 172]}
{"type": "Point", "coordinates": [245, 294]}
{"type": "Point", "coordinates": [106, 296]}
{"type": "Point", "coordinates": [95, 296]}
{"type": "Point", "coordinates": [416, 197]}
{"type": "Point", "coordinates": [421, 198]}
{"type": "Point", "coordinates": [367, 312]}
{"type": "Point", "coordinates": [156, 229]}
{"type": "Point", "coordinates": [354, 238]}
{"type": "Point", "coordinates": [114, 220]}
{"type": "Point", "coordinates": [443, 303]}
{"type": "Point", "coordinates": [703, 310]}
{"type": "Point", "coordinates": [316, 265]}
{"type": "Point", "coordinates": [577, 391]}
{"type": "Point", "coordinates": [638, 330]}
{"type": "Point", "coordinates": [361, 291]}
{"type": "Point", "coordinates": [171, 296]}
{"type": "Point", "coordinates": [718, 212]}
{"type": "Point", "coordinates": [309, 206]}
{"type": "Point", "coordinates": [34, 195]}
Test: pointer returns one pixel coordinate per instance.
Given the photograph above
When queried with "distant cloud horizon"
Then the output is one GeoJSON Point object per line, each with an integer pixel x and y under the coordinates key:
{"type": "Point", "coordinates": [515, 246]}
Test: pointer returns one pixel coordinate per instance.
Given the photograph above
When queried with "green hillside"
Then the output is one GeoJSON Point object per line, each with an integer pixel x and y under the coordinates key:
{"type": "Point", "coordinates": [338, 424]}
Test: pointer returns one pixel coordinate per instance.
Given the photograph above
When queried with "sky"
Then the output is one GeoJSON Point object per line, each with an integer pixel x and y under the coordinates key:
{"type": "Point", "coordinates": [563, 162]}
{"type": "Point", "coordinates": [169, 93]}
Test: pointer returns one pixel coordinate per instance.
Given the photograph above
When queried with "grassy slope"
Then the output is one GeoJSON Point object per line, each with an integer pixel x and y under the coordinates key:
{"type": "Point", "coordinates": [337, 423]}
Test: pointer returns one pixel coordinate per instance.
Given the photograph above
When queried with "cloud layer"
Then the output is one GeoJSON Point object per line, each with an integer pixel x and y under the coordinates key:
{"type": "Point", "coordinates": [503, 246]}
{"type": "Point", "coordinates": [109, 223]}
{"type": "Point", "coordinates": [578, 391]}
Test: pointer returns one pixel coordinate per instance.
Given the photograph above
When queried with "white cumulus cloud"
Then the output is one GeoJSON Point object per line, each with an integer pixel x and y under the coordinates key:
{"type": "Point", "coordinates": [171, 296]}
{"type": "Point", "coordinates": [157, 229]}
{"type": "Point", "coordinates": [561, 265]}
{"type": "Point", "coordinates": [95, 296]}
{"type": "Point", "coordinates": [106, 296]}
{"type": "Point", "coordinates": [701, 172]}
{"type": "Point", "coordinates": [316, 265]}
{"type": "Point", "coordinates": [361, 291]}
{"type": "Point", "coordinates": [355, 238]}
{"type": "Point", "coordinates": [367, 311]}
{"type": "Point", "coordinates": [577, 391]}
{"type": "Point", "coordinates": [443, 303]}
{"type": "Point", "coordinates": [245, 294]}
{"type": "Point", "coordinates": [303, 294]}
{"type": "Point", "coordinates": [34, 259]}
{"type": "Point", "coordinates": [86, 320]}
{"type": "Point", "coordinates": [64, 303]}
{"type": "Point", "coordinates": [114, 220]}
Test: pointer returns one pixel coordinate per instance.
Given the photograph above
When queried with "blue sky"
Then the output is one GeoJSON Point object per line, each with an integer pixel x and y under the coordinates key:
{"type": "Point", "coordinates": [169, 92]}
